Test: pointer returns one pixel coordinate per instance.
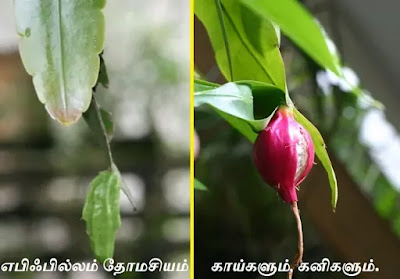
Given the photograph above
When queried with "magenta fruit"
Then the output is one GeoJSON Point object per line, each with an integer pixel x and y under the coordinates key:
{"type": "Point", "coordinates": [284, 154]}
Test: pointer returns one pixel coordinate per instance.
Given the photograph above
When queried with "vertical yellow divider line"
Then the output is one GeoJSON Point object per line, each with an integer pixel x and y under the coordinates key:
{"type": "Point", "coordinates": [191, 112]}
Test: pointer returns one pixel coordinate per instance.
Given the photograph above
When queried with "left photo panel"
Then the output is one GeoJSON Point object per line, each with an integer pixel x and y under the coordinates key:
{"type": "Point", "coordinates": [94, 139]}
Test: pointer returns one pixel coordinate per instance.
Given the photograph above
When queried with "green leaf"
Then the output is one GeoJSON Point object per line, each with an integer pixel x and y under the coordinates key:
{"type": "Point", "coordinates": [221, 20]}
{"type": "Point", "coordinates": [322, 154]}
{"type": "Point", "coordinates": [199, 186]}
{"type": "Point", "coordinates": [266, 97]}
{"type": "Point", "coordinates": [253, 42]}
{"type": "Point", "coordinates": [101, 214]}
{"type": "Point", "coordinates": [300, 26]}
{"type": "Point", "coordinates": [234, 102]}
{"type": "Point", "coordinates": [202, 85]}
{"type": "Point", "coordinates": [103, 76]}
{"type": "Point", "coordinates": [60, 45]}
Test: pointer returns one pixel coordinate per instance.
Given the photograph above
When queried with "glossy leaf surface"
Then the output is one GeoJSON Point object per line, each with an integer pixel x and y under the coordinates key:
{"type": "Point", "coordinates": [234, 102]}
{"type": "Point", "coordinates": [253, 42]}
{"type": "Point", "coordinates": [300, 26]}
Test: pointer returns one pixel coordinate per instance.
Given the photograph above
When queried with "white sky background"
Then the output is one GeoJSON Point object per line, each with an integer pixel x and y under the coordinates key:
{"type": "Point", "coordinates": [384, 143]}
{"type": "Point", "coordinates": [8, 36]}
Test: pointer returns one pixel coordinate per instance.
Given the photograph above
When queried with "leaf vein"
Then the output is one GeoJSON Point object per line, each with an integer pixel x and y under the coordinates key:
{"type": "Point", "coordinates": [61, 48]}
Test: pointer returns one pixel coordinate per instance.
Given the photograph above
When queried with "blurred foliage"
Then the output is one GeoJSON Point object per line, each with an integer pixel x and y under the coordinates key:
{"type": "Point", "coordinates": [339, 115]}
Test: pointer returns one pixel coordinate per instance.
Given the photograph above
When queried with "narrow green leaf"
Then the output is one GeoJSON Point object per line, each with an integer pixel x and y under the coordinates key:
{"type": "Point", "coordinates": [252, 40]}
{"type": "Point", "coordinates": [202, 85]}
{"type": "Point", "coordinates": [234, 102]}
{"type": "Point", "coordinates": [224, 36]}
{"type": "Point", "coordinates": [322, 154]}
{"type": "Point", "coordinates": [103, 76]}
{"type": "Point", "coordinates": [101, 214]}
{"type": "Point", "coordinates": [93, 122]}
{"type": "Point", "coordinates": [59, 47]}
{"type": "Point", "coordinates": [199, 186]}
{"type": "Point", "coordinates": [300, 26]}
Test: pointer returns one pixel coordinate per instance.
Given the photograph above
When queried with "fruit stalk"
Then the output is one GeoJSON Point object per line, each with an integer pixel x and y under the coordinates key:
{"type": "Point", "coordinates": [300, 246]}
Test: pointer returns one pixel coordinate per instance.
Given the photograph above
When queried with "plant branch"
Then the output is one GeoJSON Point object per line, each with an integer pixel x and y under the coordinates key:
{"type": "Point", "coordinates": [300, 247]}
{"type": "Point", "coordinates": [103, 79]}
{"type": "Point", "coordinates": [103, 129]}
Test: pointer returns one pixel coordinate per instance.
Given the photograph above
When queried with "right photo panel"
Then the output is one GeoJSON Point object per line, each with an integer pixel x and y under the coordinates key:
{"type": "Point", "coordinates": [296, 140]}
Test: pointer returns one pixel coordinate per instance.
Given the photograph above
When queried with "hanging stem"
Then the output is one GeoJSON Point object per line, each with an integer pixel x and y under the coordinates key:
{"type": "Point", "coordinates": [103, 129]}
{"type": "Point", "coordinates": [103, 79]}
{"type": "Point", "coordinates": [300, 247]}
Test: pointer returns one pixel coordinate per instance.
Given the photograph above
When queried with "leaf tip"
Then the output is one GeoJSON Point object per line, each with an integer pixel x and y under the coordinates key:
{"type": "Point", "coordinates": [64, 117]}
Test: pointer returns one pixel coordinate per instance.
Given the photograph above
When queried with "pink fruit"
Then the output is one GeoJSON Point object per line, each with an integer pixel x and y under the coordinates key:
{"type": "Point", "coordinates": [284, 153]}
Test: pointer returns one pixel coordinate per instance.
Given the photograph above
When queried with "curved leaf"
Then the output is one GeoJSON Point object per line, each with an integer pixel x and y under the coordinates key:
{"type": "Point", "coordinates": [322, 154]}
{"type": "Point", "coordinates": [266, 97]}
{"type": "Point", "coordinates": [253, 42]}
{"type": "Point", "coordinates": [199, 186]}
{"type": "Point", "coordinates": [234, 102]}
{"type": "Point", "coordinates": [300, 26]}
{"type": "Point", "coordinates": [59, 46]}
{"type": "Point", "coordinates": [230, 97]}
{"type": "Point", "coordinates": [202, 85]}
{"type": "Point", "coordinates": [103, 76]}
{"type": "Point", "coordinates": [101, 214]}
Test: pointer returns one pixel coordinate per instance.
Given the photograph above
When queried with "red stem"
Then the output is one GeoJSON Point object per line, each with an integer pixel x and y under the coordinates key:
{"type": "Point", "coordinates": [299, 256]}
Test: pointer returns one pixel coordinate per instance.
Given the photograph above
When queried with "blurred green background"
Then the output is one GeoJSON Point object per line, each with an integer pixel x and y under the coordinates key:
{"type": "Point", "coordinates": [45, 169]}
{"type": "Point", "coordinates": [240, 217]}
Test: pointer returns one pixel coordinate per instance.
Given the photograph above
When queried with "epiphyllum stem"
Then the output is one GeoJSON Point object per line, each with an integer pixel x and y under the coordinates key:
{"type": "Point", "coordinates": [299, 256]}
